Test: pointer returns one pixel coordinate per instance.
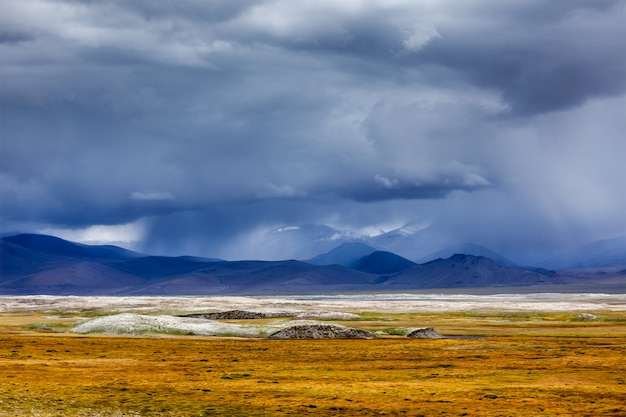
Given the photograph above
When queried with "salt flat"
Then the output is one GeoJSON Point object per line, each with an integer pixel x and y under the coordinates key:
{"type": "Point", "coordinates": [319, 304]}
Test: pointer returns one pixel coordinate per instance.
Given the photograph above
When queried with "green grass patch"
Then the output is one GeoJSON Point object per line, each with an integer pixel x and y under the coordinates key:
{"type": "Point", "coordinates": [46, 327]}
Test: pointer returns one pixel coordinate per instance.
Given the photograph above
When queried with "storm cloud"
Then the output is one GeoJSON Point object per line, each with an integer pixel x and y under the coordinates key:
{"type": "Point", "coordinates": [496, 122]}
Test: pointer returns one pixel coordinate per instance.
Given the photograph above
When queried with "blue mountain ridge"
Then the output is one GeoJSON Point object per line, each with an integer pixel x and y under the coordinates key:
{"type": "Point", "coordinates": [38, 264]}
{"type": "Point", "coordinates": [55, 246]}
{"type": "Point", "coordinates": [602, 253]}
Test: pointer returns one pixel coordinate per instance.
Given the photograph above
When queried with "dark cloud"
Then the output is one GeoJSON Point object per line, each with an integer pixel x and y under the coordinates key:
{"type": "Point", "coordinates": [227, 117]}
{"type": "Point", "coordinates": [438, 186]}
{"type": "Point", "coordinates": [14, 37]}
{"type": "Point", "coordinates": [545, 64]}
{"type": "Point", "coordinates": [210, 11]}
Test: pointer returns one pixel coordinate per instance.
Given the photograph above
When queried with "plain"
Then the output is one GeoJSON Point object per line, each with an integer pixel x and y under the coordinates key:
{"type": "Point", "coordinates": [502, 363]}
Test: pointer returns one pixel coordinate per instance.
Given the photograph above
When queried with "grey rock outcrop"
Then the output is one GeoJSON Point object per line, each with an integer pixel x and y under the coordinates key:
{"type": "Point", "coordinates": [231, 315]}
{"type": "Point", "coordinates": [250, 315]}
{"type": "Point", "coordinates": [424, 333]}
{"type": "Point", "coordinates": [584, 317]}
{"type": "Point", "coordinates": [320, 331]}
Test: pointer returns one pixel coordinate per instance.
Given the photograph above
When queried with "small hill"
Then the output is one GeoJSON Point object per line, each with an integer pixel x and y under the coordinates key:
{"type": "Point", "coordinates": [381, 262]}
{"type": "Point", "coordinates": [424, 333]}
{"type": "Point", "coordinates": [345, 254]}
{"type": "Point", "coordinates": [136, 324]}
{"type": "Point", "coordinates": [320, 331]}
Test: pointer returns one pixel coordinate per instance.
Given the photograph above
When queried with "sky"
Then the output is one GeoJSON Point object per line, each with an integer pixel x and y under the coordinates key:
{"type": "Point", "coordinates": [191, 126]}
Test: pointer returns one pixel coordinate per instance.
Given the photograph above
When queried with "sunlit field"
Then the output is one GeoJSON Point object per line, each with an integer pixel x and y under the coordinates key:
{"type": "Point", "coordinates": [500, 364]}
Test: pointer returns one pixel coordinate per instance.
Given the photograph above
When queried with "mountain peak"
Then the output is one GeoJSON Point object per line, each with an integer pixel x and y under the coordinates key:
{"type": "Point", "coordinates": [469, 249]}
{"type": "Point", "coordinates": [462, 270]}
{"type": "Point", "coordinates": [345, 254]}
{"type": "Point", "coordinates": [382, 262]}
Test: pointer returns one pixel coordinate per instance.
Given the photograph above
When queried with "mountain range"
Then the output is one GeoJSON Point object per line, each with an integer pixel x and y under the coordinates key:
{"type": "Point", "coordinates": [469, 249]}
{"type": "Point", "coordinates": [39, 264]}
{"type": "Point", "coordinates": [603, 253]}
{"type": "Point", "coordinates": [419, 244]}
{"type": "Point", "coordinates": [310, 240]}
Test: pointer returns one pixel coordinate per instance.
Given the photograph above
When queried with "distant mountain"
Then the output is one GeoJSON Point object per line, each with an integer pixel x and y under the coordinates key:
{"type": "Point", "coordinates": [310, 240]}
{"type": "Point", "coordinates": [345, 254]}
{"type": "Point", "coordinates": [465, 271]}
{"type": "Point", "coordinates": [469, 249]}
{"type": "Point", "coordinates": [381, 263]}
{"type": "Point", "coordinates": [603, 253]}
{"type": "Point", "coordinates": [241, 277]}
{"type": "Point", "coordinates": [415, 242]}
{"type": "Point", "coordinates": [16, 260]}
{"type": "Point", "coordinates": [297, 242]}
{"type": "Point", "coordinates": [44, 265]}
{"type": "Point", "coordinates": [55, 246]}
{"type": "Point", "coordinates": [362, 257]}
{"type": "Point", "coordinates": [255, 277]}
{"type": "Point", "coordinates": [411, 241]}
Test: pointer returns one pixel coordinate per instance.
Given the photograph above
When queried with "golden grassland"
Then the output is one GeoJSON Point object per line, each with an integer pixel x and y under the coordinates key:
{"type": "Point", "coordinates": [529, 364]}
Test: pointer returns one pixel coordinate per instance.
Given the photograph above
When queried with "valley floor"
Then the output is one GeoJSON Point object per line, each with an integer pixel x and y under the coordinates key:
{"type": "Point", "coordinates": [514, 360]}
{"type": "Point", "coordinates": [389, 302]}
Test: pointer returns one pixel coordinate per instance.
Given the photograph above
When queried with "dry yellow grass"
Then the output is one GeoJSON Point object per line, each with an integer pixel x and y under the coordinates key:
{"type": "Point", "coordinates": [529, 366]}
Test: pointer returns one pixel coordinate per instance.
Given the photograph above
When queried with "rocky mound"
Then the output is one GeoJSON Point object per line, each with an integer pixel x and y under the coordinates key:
{"type": "Point", "coordinates": [584, 317]}
{"type": "Point", "coordinates": [135, 324]}
{"type": "Point", "coordinates": [271, 313]}
{"type": "Point", "coordinates": [233, 315]}
{"type": "Point", "coordinates": [424, 333]}
{"type": "Point", "coordinates": [320, 331]}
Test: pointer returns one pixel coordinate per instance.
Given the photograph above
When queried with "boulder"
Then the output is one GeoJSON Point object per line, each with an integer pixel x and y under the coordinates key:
{"type": "Point", "coordinates": [424, 333]}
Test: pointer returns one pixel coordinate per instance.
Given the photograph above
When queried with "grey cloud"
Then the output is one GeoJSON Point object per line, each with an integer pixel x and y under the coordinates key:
{"type": "Point", "coordinates": [540, 57]}
{"type": "Point", "coordinates": [235, 116]}
{"type": "Point", "coordinates": [376, 191]}
{"type": "Point", "coordinates": [9, 37]}
{"type": "Point", "coordinates": [542, 64]}
{"type": "Point", "coordinates": [227, 230]}
{"type": "Point", "coordinates": [205, 11]}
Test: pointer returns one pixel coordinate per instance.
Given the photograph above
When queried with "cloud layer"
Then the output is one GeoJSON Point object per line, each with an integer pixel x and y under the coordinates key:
{"type": "Point", "coordinates": [498, 122]}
